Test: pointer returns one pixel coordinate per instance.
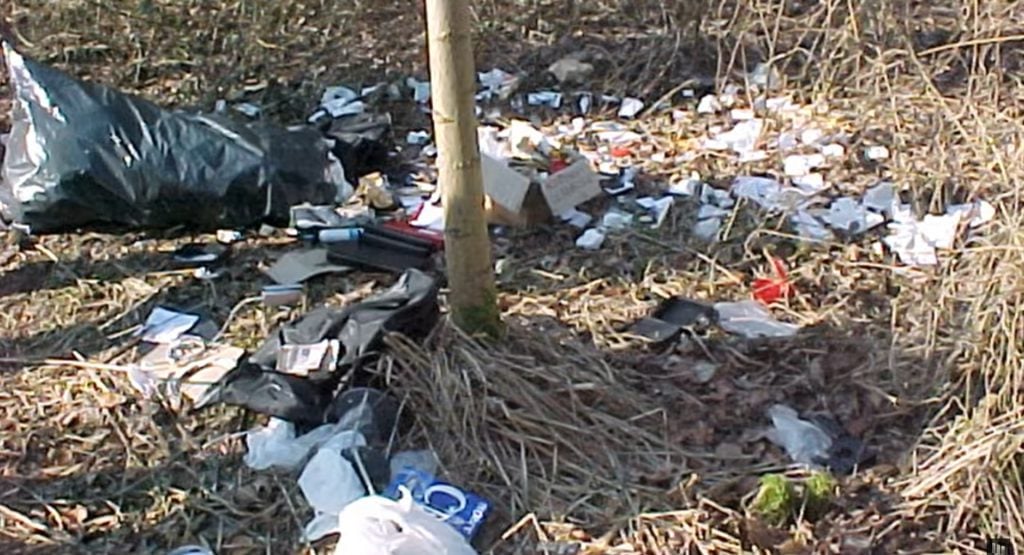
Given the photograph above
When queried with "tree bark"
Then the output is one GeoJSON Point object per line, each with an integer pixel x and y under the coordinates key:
{"type": "Point", "coordinates": [472, 297]}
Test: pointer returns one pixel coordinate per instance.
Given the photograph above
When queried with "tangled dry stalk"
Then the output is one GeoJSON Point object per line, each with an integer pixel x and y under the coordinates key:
{"type": "Point", "coordinates": [596, 439]}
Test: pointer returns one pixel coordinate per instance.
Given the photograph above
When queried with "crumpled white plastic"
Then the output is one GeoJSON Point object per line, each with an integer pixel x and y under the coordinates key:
{"type": "Point", "coordinates": [330, 483]}
{"type": "Point", "coordinates": [377, 525]}
{"type": "Point", "coordinates": [803, 441]}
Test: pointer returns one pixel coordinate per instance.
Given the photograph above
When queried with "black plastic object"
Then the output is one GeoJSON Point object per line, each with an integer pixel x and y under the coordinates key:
{"type": "Point", "coordinates": [409, 307]}
{"type": "Point", "coordinates": [672, 317]}
{"type": "Point", "coordinates": [847, 452]}
{"type": "Point", "coordinates": [363, 142]}
{"type": "Point", "coordinates": [383, 249]}
{"type": "Point", "coordinates": [84, 156]}
{"type": "Point", "coordinates": [195, 255]}
{"type": "Point", "coordinates": [282, 395]}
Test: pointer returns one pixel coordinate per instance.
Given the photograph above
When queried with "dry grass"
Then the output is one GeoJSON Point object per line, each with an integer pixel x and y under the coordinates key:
{"type": "Point", "coordinates": [594, 438]}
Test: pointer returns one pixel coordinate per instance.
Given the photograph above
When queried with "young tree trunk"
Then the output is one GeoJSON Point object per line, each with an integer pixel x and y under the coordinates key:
{"type": "Point", "coordinates": [472, 297]}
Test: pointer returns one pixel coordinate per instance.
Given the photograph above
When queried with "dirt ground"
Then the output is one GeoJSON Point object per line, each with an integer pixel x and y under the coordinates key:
{"type": "Point", "coordinates": [578, 434]}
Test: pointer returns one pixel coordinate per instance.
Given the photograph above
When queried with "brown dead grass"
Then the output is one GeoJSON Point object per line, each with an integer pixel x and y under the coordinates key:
{"type": "Point", "coordinates": [576, 432]}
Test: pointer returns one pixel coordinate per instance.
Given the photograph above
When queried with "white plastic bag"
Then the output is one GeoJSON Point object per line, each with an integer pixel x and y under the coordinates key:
{"type": "Point", "coordinates": [377, 525]}
{"type": "Point", "coordinates": [275, 444]}
{"type": "Point", "coordinates": [330, 483]}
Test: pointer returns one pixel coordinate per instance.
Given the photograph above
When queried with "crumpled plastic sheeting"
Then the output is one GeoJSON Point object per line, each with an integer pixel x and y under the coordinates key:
{"type": "Point", "coordinates": [275, 444]}
{"type": "Point", "coordinates": [805, 442]}
{"type": "Point", "coordinates": [82, 155]}
{"type": "Point", "coordinates": [380, 526]}
{"type": "Point", "coordinates": [330, 483]}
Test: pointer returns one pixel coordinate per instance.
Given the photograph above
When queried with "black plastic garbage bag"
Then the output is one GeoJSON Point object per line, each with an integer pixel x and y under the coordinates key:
{"type": "Point", "coordinates": [409, 307]}
{"type": "Point", "coordinates": [82, 155]}
{"type": "Point", "coordinates": [363, 142]}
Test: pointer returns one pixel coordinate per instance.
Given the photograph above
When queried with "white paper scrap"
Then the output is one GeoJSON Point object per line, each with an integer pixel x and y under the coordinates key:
{"type": "Point", "coordinates": [751, 319]}
{"type": "Point", "coordinates": [591, 240]}
{"type": "Point", "coordinates": [166, 326]}
{"type": "Point", "coordinates": [630, 107]}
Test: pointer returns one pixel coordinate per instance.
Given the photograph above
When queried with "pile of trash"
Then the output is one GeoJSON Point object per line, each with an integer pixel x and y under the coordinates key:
{"type": "Point", "coordinates": [83, 156]}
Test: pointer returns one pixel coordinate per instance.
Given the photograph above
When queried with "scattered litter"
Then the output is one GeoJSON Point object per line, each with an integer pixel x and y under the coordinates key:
{"type": "Point", "coordinates": [767, 193]}
{"type": "Point", "coordinates": [742, 114]}
{"type": "Point", "coordinates": [809, 227]}
{"type": "Point", "coordinates": [812, 136]}
{"type": "Point", "coordinates": [376, 525]}
{"type": "Point", "coordinates": [229, 236]}
{"type": "Point", "coordinates": [799, 165]}
{"type": "Point", "coordinates": [281, 295]}
{"type": "Point", "coordinates": [420, 89]}
{"type": "Point", "coordinates": [751, 319]}
{"type": "Point", "coordinates": [709, 105]}
{"type": "Point", "coordinates": [571, 70]}
{"type": "Point", "coordinates": [185, 367]}
{"type": "Point", "coordinates": [418, 137]}
{"type": "Point", "coordinates": [301, 265]}
{"type": "Point", "coordinates": [462, 510]}
{"type": "Point", "coordinates": [881, 198]}
{"type": "Point", "coordinates": [742, 138]}
{"type": "Point", "coordinates": [276, 445]}
{"type": "Point", "coordinates": [852, 217]}
{"type": "Point", "coordinates": [551, 99]}
{"type": "Point", "coordinates": [773, 289]}
{"type": "Point", "coordinates": [571, 187]}
{"type": "Point", "coordinates": [615, 220]}
{"type": "Point", "coordinates": [301, 360]}
{"type": "Point", "coordinates": [591, 240]}
{"type": "Point", "coordinates": [165, 325]}
{"type": "Point", "coordinates": [658, 207]}
{"type": "Point", "coordinates": [764, 76]}
{"type": "Point", "coordinates": [708, 229]}
{"type": "Point", "coordinates": [803, 441]}
{"type": "Point", "coordinates": [430, 216]}
{"type": "Point", "coordinates": [585, 102]}
{"type": "Point", "coordinates": [833, 150]}
{"type": "Point", "coordinates": [976, 214]}
{"type": "Point", "coordinates": [339, 235]}
{"type": "Point", "coordinates": [810, 183]}
{"type": "Point", "coordinates": [191, 550]}
{"type": "Point", "coordinates": [330, 483]}
{"type": "Point", "coordinates": [686, 187]}
{"type": "Point", "coordinates": [192, 255]}
{"type": "Point", "coordinates": [630, 107]}
{"type": "Point", "coordinates": [248, 109]}
{"type": "Point", "coordinates": [673, 316]}
{"type": "Point", "coordinates": [876, 153]}
{"type": "Point", "coordinates": [498, 83]}
{"type": "Point", "coordinates": [576, 218]}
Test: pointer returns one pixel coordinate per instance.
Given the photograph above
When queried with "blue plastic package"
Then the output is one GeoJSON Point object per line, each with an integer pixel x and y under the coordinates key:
{"type": "Point", "coordinates": [462, 510]}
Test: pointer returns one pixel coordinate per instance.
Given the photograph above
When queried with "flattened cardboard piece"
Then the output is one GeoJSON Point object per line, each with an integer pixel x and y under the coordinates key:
{"type": "Point", "coordinates": [571, 187]}
{"type": "Point", "coordinates": [197, 371]}
{"type": "Point", "coordinates": [504, 185]}
{"type": "Point", "coordinates": [299, 266]}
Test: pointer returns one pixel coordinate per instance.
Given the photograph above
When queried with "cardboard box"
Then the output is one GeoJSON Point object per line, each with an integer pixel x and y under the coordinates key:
{"type": "Point", "coordinates": [512, 199]}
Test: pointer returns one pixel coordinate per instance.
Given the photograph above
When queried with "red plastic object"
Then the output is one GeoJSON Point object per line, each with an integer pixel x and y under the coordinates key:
{"type": "Point", "coordinates": [621, 152]}
{"type": "Point", "coordinates": [770, 290]}
{"type": "Point", "coordinates": [557, 165]}
{"type": "Point", "coordinates": [401, 226]}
